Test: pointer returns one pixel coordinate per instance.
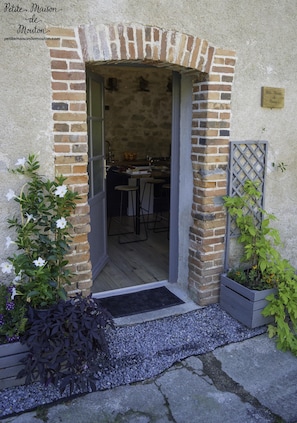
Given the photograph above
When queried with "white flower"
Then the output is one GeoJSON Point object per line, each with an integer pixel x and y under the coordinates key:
{"type": "Point", "coordinates": [6, 267]}
{"type": "Point", "coordinates": [10, 195]}
{"type": "Point", "coordinates": [13, 293]}
{"type": "Point", "coordinates": [21, 162]}
{"type": "Point", "coordinates": [39, 262]}
{"type": "Point", "coordinates": [61, 191]}
{"type": "Point", "coordinates": [29, 217]}
{"type": "Point", "coordinates": [8, 242]}
{"type": "Point", "coordinates": [61, 223]}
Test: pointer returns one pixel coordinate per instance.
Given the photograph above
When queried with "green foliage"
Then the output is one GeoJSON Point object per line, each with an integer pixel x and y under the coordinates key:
{"type": "Point", "coordinates": [65, 343]}
{"type": "Point", "coordinates": [42, 236]}
{"type": "Point", "coordinates": [259, 239]}
{"type": "Point", "coordinates": [281, 166]}
{"type": "Point", "coordinates": [12, 315]}
{"type": "Point", "coordinates": [283, 307]}
{"type": "Point", "coordinates": [266, 267]}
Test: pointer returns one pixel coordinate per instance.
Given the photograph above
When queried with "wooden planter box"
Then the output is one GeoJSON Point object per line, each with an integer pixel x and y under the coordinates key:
{"type": "Point", "coordinates": [10, 356]}
{"type": "Point", "coordinates": [244, 304]}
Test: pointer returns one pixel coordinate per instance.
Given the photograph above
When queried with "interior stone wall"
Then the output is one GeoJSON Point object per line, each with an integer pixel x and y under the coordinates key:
{"type": "Point", "coordinates": [137, 118]}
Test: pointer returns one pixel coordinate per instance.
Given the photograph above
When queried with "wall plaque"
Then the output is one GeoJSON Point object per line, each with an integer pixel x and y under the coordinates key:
{"type": "Point", "coordinates": [273, 98]}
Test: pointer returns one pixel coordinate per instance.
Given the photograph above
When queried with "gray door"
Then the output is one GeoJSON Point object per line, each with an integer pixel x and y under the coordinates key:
{"type": "Point", "coordinates": [96, 170]}
{"type": "Point", "coordinates": [174, 189]}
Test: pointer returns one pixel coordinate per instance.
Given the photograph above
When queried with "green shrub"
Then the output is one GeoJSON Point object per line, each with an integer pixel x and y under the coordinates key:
{"type": "Point", "coordinates": [263, 265]}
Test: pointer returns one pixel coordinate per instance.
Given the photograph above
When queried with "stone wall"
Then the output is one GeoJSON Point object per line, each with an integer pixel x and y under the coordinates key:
{"type": "Point", "coordinates": [137, 118]}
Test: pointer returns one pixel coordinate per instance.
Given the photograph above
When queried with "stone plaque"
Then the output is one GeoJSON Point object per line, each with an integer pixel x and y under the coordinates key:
{"type": "Point", "coordinates": [273, 98]}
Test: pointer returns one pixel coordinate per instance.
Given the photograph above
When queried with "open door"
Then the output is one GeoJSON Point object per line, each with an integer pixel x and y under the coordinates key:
{"type": "Point", "coordinates": [96, 171]}
{"type": "Point", "coordinates": [174, 186]}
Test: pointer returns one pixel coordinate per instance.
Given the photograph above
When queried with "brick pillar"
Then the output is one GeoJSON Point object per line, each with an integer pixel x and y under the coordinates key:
{"type": "Point", "coordinates": [70, 143]}
{"type": "Point", "coordinates": [210, 150]}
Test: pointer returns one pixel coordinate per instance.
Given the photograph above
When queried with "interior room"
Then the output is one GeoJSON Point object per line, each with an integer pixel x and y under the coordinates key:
{"type": "Point", "coordinates": [137, 144]}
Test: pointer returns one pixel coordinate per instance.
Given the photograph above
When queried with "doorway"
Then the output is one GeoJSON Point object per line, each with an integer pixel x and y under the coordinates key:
{"type": "Point", "coordinates": [141, 103]}
{"type": "Point", "coordinates": [204, 137]}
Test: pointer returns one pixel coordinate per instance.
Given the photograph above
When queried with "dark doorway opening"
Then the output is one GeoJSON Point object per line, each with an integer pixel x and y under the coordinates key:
{"type": "Point", "coordinates": [137, 132]}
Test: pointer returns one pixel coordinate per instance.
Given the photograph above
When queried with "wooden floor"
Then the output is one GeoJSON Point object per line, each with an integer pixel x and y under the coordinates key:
{"type": "Point", "coordinates": [134, 263]}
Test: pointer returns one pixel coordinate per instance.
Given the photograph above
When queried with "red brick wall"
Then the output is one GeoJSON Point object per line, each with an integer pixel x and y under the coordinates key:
{"type": "Point", "coordinates": [210, 150]}
{"type": "Point", "coordinates": [69, 50]}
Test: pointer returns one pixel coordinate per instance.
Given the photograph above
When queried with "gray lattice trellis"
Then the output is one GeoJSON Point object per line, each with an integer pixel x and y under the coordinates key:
{"type": "Point", "coordinates": [247, 161]}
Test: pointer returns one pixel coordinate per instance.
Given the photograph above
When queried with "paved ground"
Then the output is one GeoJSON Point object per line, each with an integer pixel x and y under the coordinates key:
{"type": "Point", "coordinates": [243, 382]}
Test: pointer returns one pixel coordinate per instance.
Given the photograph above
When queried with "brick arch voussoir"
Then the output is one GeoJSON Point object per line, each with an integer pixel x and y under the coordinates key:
{"type": "Point", "coordinates": [108, 43]}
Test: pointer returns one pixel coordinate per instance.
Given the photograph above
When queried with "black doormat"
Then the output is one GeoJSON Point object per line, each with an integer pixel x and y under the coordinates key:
{"type": "Point", "coordinates": [140, 302]}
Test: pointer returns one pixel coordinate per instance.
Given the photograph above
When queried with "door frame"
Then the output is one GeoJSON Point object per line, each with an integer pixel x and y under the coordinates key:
{"type": "Point", "coordinates": [174, 178]}
{"type": "Point", "coordinates": [181, 106]}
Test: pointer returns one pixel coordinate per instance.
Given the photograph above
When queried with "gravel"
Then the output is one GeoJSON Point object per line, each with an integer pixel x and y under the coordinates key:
{"type": "Point", "coordinates": [142, 351]}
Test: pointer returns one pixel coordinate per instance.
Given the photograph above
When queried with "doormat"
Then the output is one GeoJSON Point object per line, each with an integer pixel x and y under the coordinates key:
{"type": "Point", "coordinates": [140, 302]}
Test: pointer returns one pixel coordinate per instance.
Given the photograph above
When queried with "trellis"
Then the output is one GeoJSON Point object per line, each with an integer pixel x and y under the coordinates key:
{"type": "Point", "coordinates": [247, 161]}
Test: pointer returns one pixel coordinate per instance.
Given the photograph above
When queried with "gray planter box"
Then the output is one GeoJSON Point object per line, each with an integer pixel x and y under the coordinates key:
{"type": "Point", "coordinates": [244, 304]}
{"type": "Point", "coordinates": [10, 356]}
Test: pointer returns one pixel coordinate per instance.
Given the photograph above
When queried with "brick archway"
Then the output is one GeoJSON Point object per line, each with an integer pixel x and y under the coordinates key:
{"type": "Point", "coordinates": [70, 50]}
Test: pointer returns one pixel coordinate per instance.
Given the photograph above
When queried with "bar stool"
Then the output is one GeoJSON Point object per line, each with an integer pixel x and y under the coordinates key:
{"type": "Point", "coordinates": [151, 183]}
{"type": "Point", "coordinates": [126, 189]}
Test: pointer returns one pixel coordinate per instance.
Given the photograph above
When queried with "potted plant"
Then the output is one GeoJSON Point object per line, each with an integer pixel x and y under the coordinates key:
{"type": "Point", "coordinates": [62, 335]}
{"type": "Point", "coordinates": [263, 289]}
{"type": "Point", "coordinates": [36, 273]}
{"type": "Point", "coordinates": [65, 344]}
{"type": "Point", "coordinates": [39, 266]}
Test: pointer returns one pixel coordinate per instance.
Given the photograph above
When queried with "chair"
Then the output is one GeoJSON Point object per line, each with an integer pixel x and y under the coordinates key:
{"type": "Point", "coordinates": [151, 184]}
{"type": "Point", "coordinates": [122, 231]}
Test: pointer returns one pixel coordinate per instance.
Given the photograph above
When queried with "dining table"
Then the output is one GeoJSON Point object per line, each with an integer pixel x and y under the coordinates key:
{"type": "Point", "coordinates": [137, 173]}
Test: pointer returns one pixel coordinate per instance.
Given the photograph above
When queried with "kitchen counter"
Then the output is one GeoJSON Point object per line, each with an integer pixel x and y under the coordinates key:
{"type": "Point", "coordinates": [155, 161]}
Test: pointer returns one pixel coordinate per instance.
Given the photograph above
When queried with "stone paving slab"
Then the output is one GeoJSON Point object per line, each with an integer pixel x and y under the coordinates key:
{"type": "Point", "coordinates": [248, 382]}
{"type": "Point", "coordinates": [179, 395]}
{"type": "Point", "coordinates": [268, 374]}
